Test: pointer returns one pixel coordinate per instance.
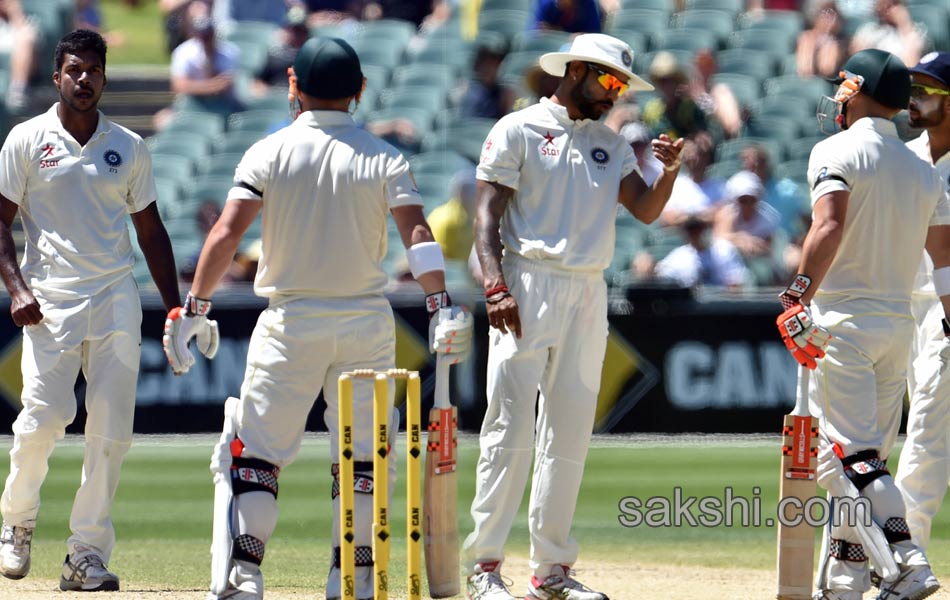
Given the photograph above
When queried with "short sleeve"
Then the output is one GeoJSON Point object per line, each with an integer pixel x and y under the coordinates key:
{"type": "Point", "coordinates": [13, 168]}
{"type": "Point", "coordinates": [828, 171]}
{"type": "Point", "coordinates": [179, 61]}
{"type": "Point", "coordinates": [941, 214]}
{"type": "Point", "coordinates": [253, 172]}
{"type": "Point", "coordinates": [630, 162]}
{"type": "Point", "coordinates": [502, 154]}
{"type": "Point", "coordinates": [142, 183]}
{"type": "Point", "coordinates": [401, 189]}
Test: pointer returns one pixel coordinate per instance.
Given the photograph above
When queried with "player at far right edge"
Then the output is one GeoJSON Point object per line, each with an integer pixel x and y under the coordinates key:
{"type": "Point", "coordinates": [876, 207]}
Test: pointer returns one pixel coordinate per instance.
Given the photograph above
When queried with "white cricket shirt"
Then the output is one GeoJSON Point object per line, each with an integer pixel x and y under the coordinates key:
{"type": "Point", "coordinates": [921, 147]}
{"type": "Point", "coordinates": [895, 198]}
{"type": "Point", "coordinates": [74, 201]}
{"type": "Point", "coordinates": [327, 187]}
{"type": "Point", "coordinates": [566, 175]}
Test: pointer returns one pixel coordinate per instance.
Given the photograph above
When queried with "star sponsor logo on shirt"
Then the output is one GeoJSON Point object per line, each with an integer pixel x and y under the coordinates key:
{"type": "Point", "coordinates": [46, 152]}
{"type": "Point", "coordinates": [113, 160]}
{"type": "Point", "coordinates": [549, 148]}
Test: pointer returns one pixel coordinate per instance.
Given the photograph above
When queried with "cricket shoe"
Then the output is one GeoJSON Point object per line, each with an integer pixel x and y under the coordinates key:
{"type": "Point", "coordinates": [486, 583]}
{"type": "Point", "coordinates": [560, 585]}
{"type": "Point", "coordinates": [913, 583]}
{"type": "Point", "coordinates": [363, 587]}
{"type": "Point", "coordinates": [85, 571]}
{"type": "Point", "coordinates": [15, 543]}
{"type": "Point", "coordinates": [245, 582]}
{"type": "Point", "coordinates": [837, 595]}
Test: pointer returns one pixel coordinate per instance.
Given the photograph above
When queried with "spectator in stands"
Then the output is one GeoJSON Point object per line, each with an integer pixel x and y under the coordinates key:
{"type": "Point", "coordinates": [203, 68]}
{"type": "Point", "coordinates": [18, 38]}
{"type": "Point", "coordinates": [894, 31]}
{"type": "Point", "coordinates": [333, 12]}
{"type": "Point", "coordinates": [716, 100]}
{"type": "Point", "coordinates": [703, 260]}
{"type": "Point", "coordinates": [485, 96]}
{"type": "Point", "coordinates": [673, 112]}
{"type": "Point", "coordinates": [573, 16]}
{"type": "Point", "coordinates": [754, 7]}
{"type": "Point", "coordinates": [782, 194]}
{"type": "Point", "coordinates": [178, 13]}
{"type": "Point", "coordinates": [638, 136]}
{"type": "Point", "coordinates": [537, 84]}
{"type": "Point", "coordinates": [414, 11]}
{"type": "Point", "coordinates": [694, 193]}
{"type": "Point", "coordinates": [281, 54]}
{"type": "Point", "coordinates": [821, 50]}
{"type": "Point", "coordinates": [228, 14]}
{"type": "Point", "coordinates": [745, 220]}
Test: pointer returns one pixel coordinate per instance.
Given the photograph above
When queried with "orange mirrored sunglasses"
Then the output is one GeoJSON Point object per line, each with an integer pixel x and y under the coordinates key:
{"type": "Point", "coordinates": [609, 81]}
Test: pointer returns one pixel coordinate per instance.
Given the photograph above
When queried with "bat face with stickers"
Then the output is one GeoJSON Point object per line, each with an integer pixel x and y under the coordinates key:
{"type": "Point", "coordinates": [798, 481]}
{"type": "Point", "coordinates": [440, 502]}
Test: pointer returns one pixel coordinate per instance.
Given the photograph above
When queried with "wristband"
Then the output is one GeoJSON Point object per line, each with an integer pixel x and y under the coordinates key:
{"type": "Point", "coordinates": [436, 301]}
{"type": "Point", "coordinates": [942, 281]}
{"type": "Point", "coordinates": [424, 258]}
{"type": "Point", "coordinates": [196, 306]}
{"type": "Point", "coordinates": [496, 290]}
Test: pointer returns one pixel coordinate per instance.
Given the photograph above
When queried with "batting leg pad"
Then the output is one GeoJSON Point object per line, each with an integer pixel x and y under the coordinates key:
{"type": "Point", "coordinates": [364, 556]}
{"type": "Point", "coordinates": [253, 475]}
{"type": "Point", "coordinates": [896, 530]}
{"type": "Point", "coordinates": [248, 548]}
{"type": "Point", "coordinates": [864, 467]}
{"type": "Point", "coordinates": [845, 550]}
{"type": "Point", "coordinates": [362, 478]}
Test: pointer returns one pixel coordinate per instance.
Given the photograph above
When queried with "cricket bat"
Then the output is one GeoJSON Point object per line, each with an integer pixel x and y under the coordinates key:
{"type": "Point", "coordinates": [440, 502]}
{"type": "Point", "coordinates": [796, 544]}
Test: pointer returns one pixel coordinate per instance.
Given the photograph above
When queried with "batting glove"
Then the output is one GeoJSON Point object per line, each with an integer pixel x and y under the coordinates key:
{"type": "Point", "coordinates": [450, 327]}
{"type": "Point", "coordinates": [184, 323]}
{"type": "Point", "coordinates": [802, 336]}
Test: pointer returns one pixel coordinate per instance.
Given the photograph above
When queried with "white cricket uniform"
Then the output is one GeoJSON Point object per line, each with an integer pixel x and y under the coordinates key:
{"type": "Point", "coordinates": [558, 236]}
{"type": "Point", "coordinates": [74, 203]}
{"type": "Point", "coordinates": [327, 187]}
{"type": "Point", "coordinates": [864, 301]}
{"type": "Point", "coordinates": [924, 469]}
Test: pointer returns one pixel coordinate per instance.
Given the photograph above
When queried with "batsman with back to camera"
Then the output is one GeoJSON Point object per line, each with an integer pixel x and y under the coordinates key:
{"type": "Point", "coordinates": [550, 178]}
{"type": "Point", "coordinates": [924, 468]}
{"type": "Point", "coordinates": [850, 304]}
{"type": "Point", "coordinates": [74, 176]}
{"type": "Point", "coordinates": [324, 186]}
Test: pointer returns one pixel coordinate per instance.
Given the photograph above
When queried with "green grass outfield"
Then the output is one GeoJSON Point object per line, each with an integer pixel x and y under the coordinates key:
{"type": "Point", "coordinates": [163, 510]}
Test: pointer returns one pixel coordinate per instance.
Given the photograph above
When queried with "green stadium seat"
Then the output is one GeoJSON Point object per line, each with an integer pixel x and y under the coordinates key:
{"type": "Point", "coordinates": [255, 32]}
{"type": "Point", "coordinates": [258, 121]}
{"type": "Point", "coordinates": [252, 55]}
{"type": "Point", "coordinates": [637, 19]}
{"type": "Point", "coordinates": [170, 201]}
{"type": "Point", "coordinates": [211, 187]}
{"type": "Point", "coordinates": [504, 21]}
{"type": "Point", "coordinates": [439, 76]}
{"type": "Point", "coordinates": [665, 6]}
{"type": "Point", "coordinates": [420, 119]}
{"type": "Point", "coordinates": [786, 21]}
{"type": "Point", "coordinates": [369, 101]}
{"type": "Point", "coordinates": [783, 106]}
{"type": "Point", "coordinates": [639, 41]}
{"type": "Point", "coordinates": [220, 165]}
{"type": "Point", "coordinates": [808, 88]}
{"type": "Point", "coordinates": [515, 64]}
{"type": "Point", "coordinates": [784, 129]}
{"type": "Point", "coordinates": [774, 42]}
{"type": "Point", "coordinates": [935, 20]}
{"type": "Point", "coordinates": [182, 227]}
{"type": "Point", "coordinates": [434, 188]}
{"type": "Point", "coordinates": [396, 30]}
{"type": "Point", "coordinates": [189, 145]}
{"type": "Point", "coordinates": [731, 149]}
{"type": "Point", "coordinates": [172, 167]}
{"type": "Point", "coordinates": [539, 41]}
{"type": "Point", "coordinates": [800, 149]}
{"type": "Point", "coordinates": [642, 62]}
{"type": "Point", "coordinates": [435, 163]}
{"type": "Point", "coordinates": [719, 22]}
{"type": "Point", "coordinates": [745, 88]}
{"type": "Point", "coordinates": [732, 6]}
{"type": "Point", "coordinates": [383, 52]}
{"type": "Point", "coordinates": [275, 99]}
{"type": "Point", "coordinates": [723, 169]}
{"type": "Point", "coordinates": [493, 5]}
{"type": "Point", "coordinates": [235, 141]}
{"type": "Point", "coordinates": [796, 170]}
{"type": "Point", "coordinates": [660, 241]}
{"type": "Point", "coordinates": [453, 52]}
{"type": "Point", "coordinates": [430, 99]}
{"type": "Point", "coordinates": [760, 66]}
{"type": "Point", "coordinates": [465, 138]}
{"type": "Point", "coordinates": [684, 39]}
{"type": "Point", "coordinates": [206, 124]}
{"type": "Point", "coordinates": [377, 76]}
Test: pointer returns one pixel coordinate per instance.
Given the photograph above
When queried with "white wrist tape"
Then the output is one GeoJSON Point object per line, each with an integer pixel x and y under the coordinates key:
{"type": "Point", "coordinates": [424, 258]}
{"type": "Point", "coordinates": [942, 281]}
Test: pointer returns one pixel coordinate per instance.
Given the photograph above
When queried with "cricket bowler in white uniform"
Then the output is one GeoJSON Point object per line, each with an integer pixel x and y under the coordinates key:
{"type": "Point", "coordinates": [865, 185]}
{"type": "Point", "coordinates": [923, 472]}
{"type": "Point", "coordinates": [324, 186]}
{"type": "Point", "coordinates": [75, 178]}
{"type": "Point", "coordinates": [550, 178]}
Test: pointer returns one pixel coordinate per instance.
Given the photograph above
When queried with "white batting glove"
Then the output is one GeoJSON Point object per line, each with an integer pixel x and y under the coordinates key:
{"type": "Point", "coordinates": [181, 326]}
{"type": "Point", "coordinates": [450, 332]}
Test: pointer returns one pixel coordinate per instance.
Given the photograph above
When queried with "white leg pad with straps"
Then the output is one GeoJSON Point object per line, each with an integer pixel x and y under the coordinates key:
{"type": "Point", "coordinates": [222, 536]}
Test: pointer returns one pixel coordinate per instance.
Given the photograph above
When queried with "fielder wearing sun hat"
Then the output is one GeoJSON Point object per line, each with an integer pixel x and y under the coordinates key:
{"type": "Point", "coordinates": [600, 49]}
{"type": "Point", "coordinates": [936, 65]}
{"type": "Point", "coordinates": [328, 69]}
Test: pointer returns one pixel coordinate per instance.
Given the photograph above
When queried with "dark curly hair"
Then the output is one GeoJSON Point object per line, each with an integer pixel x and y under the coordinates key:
{"type": "Point", "coordinates": [80, 40]}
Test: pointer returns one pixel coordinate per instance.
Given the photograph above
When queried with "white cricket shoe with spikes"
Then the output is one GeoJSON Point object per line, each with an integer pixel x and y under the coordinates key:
{"type": "Point", "coordinates": [486, 583]}
{"type": "Point", "coordinates": [85, 571]}
{"type": "Point", "coordinates": [913, 583]}
{"type": "Point", "coordinates": [560, 585]}
{"type": "Point", "coordinates": [15, 543]}
{"type": "Point", "coordinates": [837, 595]}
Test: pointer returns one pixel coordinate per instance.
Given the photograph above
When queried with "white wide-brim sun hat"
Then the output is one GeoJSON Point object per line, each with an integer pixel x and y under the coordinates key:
{"type": "Point", "coordinates": [599, 49]}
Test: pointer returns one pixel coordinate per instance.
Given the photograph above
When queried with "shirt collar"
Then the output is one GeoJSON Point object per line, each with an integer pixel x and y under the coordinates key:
{"type": "Point", "coordinates": [876, 124]}
{"type": "Point", "coordinates": [324, 118]}
{"type": "Point", "coordinates": [560, 113]}
{"type": "Point", "coordinates": [54, 125]}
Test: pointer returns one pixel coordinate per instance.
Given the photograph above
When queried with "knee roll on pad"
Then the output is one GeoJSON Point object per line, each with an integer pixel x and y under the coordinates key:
{"type": "Point", "coordinates": [248, 548]}
{"type": "Point", "coordinates": [864, 467]}
{"type": "Point", "coordinates": [364, 556]}
{"type": "Point", "coordinates": [845, 550]}
{"type": "Point", "coordinates": [362, 478]}
{"type": "Point", "coordinates": [253, 475]}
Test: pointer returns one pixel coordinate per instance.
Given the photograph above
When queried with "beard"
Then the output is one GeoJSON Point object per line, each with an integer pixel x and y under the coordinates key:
{"type": "Point", "coordinates": [926, 120]}
{"type": "Point", "coordinates": [586, 104]}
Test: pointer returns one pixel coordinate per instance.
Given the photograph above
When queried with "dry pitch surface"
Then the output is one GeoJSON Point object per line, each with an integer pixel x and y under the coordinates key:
{"type": "Point", "coordinates": [618, 580]}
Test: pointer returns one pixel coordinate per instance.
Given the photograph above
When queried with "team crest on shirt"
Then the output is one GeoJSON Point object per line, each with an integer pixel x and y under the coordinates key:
{"type": "Point", "coordinates": [600, 156]}
{"type": "Point", "coordinates": [113, 159]}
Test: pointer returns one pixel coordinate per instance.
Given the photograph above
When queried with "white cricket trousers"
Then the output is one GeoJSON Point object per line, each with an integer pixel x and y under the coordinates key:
{"type": "Point", "coordinates": [564, 337]}
{"type": "Point", "coordinates": [857, 395]}
{"type": "Point", "coordinates": [102, 336]}
{"type": "Point", "coordinates": [924, 469]}
{"type": "Point", "coordinates": [298, 348]}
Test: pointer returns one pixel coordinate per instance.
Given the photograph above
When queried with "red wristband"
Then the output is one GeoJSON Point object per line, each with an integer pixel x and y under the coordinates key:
{"type": "Point", "coordinates": [498, 289]}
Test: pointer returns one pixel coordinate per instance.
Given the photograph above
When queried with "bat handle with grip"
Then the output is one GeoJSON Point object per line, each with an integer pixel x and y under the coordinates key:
{"type": "Point", "coordinates": [442, 365]}
{"type": "Point", "coordinates": [801, 396]}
